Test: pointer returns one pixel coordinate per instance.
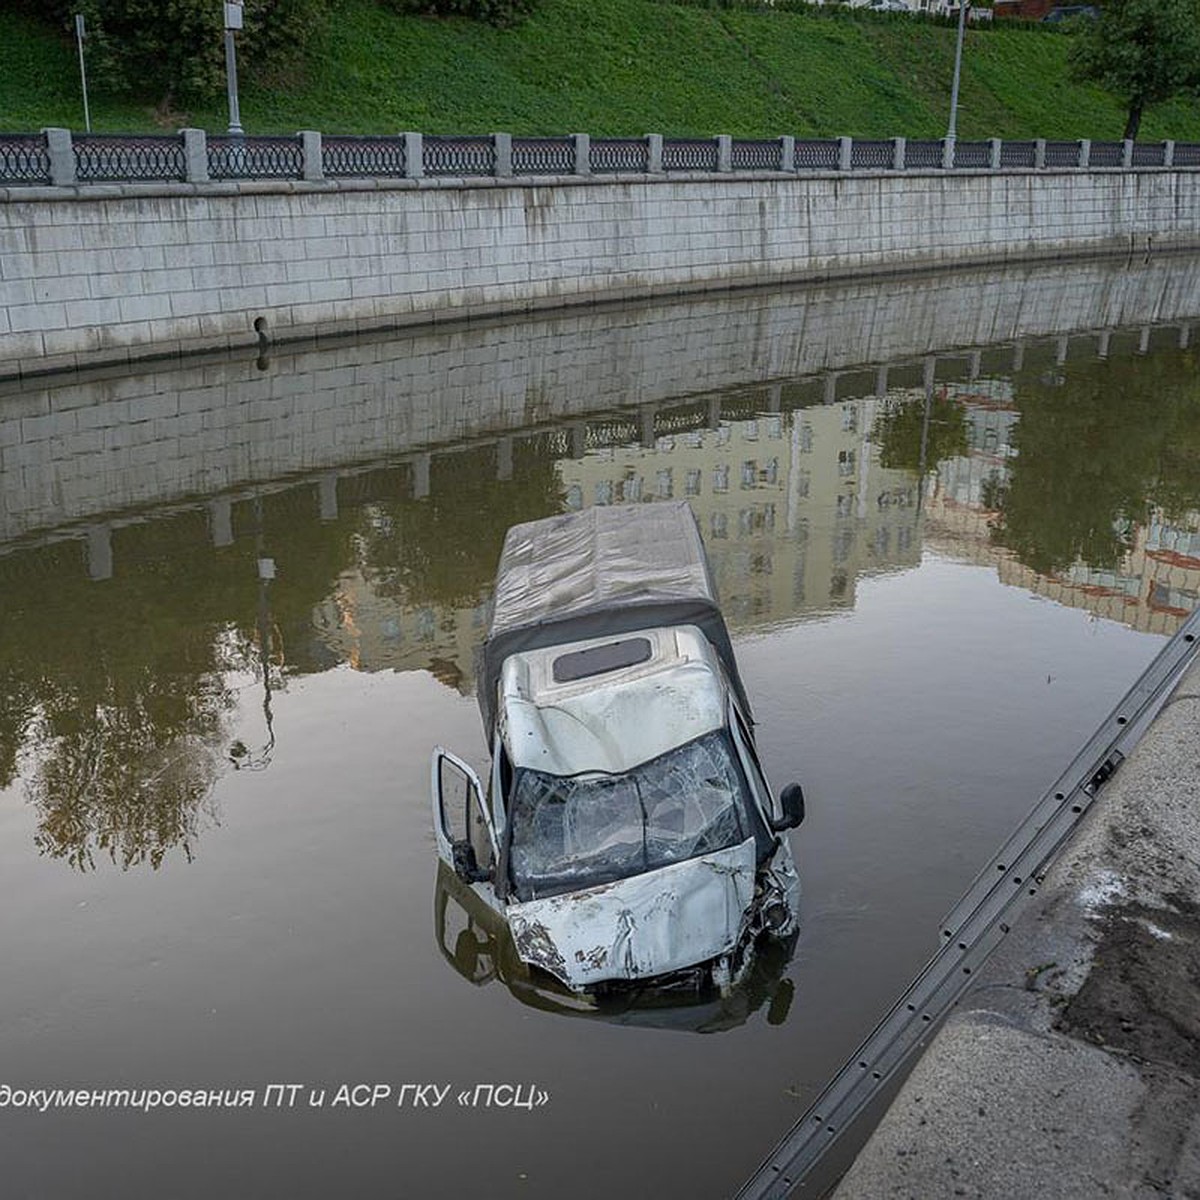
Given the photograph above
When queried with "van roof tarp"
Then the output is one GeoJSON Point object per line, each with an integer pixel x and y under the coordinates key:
{"type": "Point", "coordinates": [602, 572]}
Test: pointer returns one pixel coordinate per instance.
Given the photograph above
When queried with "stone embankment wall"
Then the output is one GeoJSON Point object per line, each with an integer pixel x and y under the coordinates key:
{"type": "Point", "coordinates": [109, 273]}
{"type": "Point", "coordinates": [73, 447]}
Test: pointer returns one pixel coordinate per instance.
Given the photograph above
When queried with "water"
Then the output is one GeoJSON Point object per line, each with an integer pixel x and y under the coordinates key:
{"type": "Point", "coordinates": [950, 519]}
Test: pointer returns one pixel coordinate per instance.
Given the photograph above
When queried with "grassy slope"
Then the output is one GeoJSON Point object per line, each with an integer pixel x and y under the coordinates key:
{"type": "Point", "coordinates": [623, 67]}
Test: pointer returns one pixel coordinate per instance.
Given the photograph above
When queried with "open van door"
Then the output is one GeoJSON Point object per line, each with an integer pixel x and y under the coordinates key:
{"type": "Point", "coordinates": [465, 835]}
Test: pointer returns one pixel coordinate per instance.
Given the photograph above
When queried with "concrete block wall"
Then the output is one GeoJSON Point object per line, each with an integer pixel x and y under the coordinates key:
{"type": "Point", "coordinates": [109, 273]}
{"type": "Point", "coordinates": [75, 447]}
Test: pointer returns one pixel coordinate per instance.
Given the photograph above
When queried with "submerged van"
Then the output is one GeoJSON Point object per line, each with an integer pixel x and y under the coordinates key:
{"type": "Point", "coordinates": [627, 832]}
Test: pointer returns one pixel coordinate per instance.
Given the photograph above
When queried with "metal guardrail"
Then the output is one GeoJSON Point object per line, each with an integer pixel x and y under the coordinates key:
{"type": "Point", "coordinates": [56, 157]}
{"type": "Point", "coordinates": [24, 158]}
{"type": "Point", "coordinates": [101, 158]}
{"type": "Point", "coordinates": [255, 158]}
{"type": "Point", "coordinates": [345, 157]}
{"type": "Point", "coordinates": [974, 928]}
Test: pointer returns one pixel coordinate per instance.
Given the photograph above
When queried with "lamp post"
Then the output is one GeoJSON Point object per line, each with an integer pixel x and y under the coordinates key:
{"type": "Point", "coordinates": [951, 133]}
{"type": "Point", "coordinates": [233, 22]}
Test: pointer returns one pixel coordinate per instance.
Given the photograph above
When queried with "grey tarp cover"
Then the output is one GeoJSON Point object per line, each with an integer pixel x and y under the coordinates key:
{"type": "Point", "coordinates": [604, 571]}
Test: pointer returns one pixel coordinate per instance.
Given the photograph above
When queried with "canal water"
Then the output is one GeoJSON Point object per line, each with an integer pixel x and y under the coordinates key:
{"type": "Point", "coordinates": [951, 519]}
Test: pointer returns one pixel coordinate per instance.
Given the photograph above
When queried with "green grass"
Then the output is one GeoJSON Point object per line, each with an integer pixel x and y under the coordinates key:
{"type": "Point", "coordinates": [610, 67]}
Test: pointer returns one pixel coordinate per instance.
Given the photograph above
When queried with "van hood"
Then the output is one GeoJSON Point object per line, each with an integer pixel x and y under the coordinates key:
{"type": "Point", "coordinates": [647, 925]}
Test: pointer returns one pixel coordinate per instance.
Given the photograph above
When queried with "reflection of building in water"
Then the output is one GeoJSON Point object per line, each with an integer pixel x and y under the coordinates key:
{"type": "Point", "coordinates": [1152, 589]}
{"type": "Point", "coordinates": [375, 632]}
{"type": "Point", "coordinates": [793, 506]}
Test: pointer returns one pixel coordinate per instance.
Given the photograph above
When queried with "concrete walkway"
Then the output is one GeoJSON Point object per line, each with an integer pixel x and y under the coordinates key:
{"type": "Point", "coordinates": [1072, 1067]}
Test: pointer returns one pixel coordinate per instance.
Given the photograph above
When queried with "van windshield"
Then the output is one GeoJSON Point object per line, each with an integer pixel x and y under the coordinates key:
{"type": "Point", "coordinates": [573, 832]}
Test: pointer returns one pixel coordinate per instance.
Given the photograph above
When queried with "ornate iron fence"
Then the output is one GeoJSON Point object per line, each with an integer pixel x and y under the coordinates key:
{"type": "Point", "coordinates": [619, 154]}
{"type": "Point", "coordinates": [1018, 154]}
{"type": "Point", "coordinates": [817, 156]}
{"type": "Point", "coordinates": [362, 157]}
{"type": "Point", "coordinates": [543, 155]}
{"type": "Point", "coordinates": [1062, 154]}
{"type": "Point", "coordinates": [922, 155]}
{"type": "Point", "coordinates": [873, 156]}
{"type": "Point", "coordinates": [757, 155]}
{"type": "Point", "coordinates": [109, 159]}
{"type": "Point", "coordinates": [1107, 154]}
{"type": "Point", "coordinates": [689, 154]}
{"type": "Point", "coordinates": [972, 156]}
{"type": "Point", "coordinates": [1149, 154]}
{"type": "Point", "coordinates": [255, 158]}
{"type": "Point", "coordinates": [102, 158]}
{"type": "Point", "coordinates": [459, 155]}
{"type": "Point", "coordinates": [23, 158]}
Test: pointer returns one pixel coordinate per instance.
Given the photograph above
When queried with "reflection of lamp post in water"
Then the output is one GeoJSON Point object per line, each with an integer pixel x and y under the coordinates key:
{"type": "Point", "coordinates": [233, 21]}
{"type": "Point", "coordinates": [239, 753]}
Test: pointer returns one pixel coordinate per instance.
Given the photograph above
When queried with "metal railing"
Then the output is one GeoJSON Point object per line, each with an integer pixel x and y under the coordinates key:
{"type": "Point", "coordinates": [543, 155]}
{"type": "Point", "coordinates": [24, 158]}
{"type": "Point", "coordinates": [101, 158]}
{"type": "Point", "coordinates": [689, 154]}
{"type": "Point", "coordinates": [56, 157]}
{"type": "Point", "coordinates": [363, 157]}
{"type": "Point", "coordinates": [459, 156]}
{"type": "Point", "coordinates": [255, 158]}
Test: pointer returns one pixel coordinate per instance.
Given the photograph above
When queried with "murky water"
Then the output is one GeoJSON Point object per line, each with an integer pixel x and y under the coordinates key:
{"type": "Point", "coordinates": [950, 520]}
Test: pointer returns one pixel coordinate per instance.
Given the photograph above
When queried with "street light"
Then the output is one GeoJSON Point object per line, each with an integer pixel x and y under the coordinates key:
{"type": "Point", "coordinates": [963, 5]}
{"type": "Point", "coordinates": [233, 21]}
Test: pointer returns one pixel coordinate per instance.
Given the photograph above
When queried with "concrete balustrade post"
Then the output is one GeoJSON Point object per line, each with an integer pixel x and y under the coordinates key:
{"type": "Point", "coordinates": [845, 153]}
{"type": "Point", "coordinates": [502, 144]}
{"type": "Point", "coordinates": [724, 153]}
{"type": "Point", "coordinates": [995, 153]}
{"type": "Point", "coordinates": [899, 153]}
{"type": "Point", "coordinates": [195, 155]}
{"type": "Point", "coordinates": [1085, 153]}
{"type": "Point", "coordinates": [948, 153]}
{"type": "Point", "coordinates": [583, 153]}
{"type": "Point", "coordinates": [1039, 154]}
{"type": "Point", "coordinates": [314, 166]}
{"type": "Point", "coordinates": [1127, 153]}
{"type": "Point", "coordinates": [654, 153]}
{"type": "Point", "coordinates": [62, 156]}
{"type": "Point", "coordinates": [1168, 154]}
{"type": "Point", "coordinates": [414, 155]}
{"type": "Point", "coordinates": [787, 153]}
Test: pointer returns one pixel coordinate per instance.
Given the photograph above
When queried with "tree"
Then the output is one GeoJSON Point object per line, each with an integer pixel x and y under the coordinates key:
{"type": "Point", "coordinates": [1144, 51]}
{"type": "Point", "coordinates": [177, 48]}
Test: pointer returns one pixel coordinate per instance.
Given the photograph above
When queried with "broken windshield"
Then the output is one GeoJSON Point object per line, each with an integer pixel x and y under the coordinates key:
{"type": "Point", "coordinates": [574, 832]}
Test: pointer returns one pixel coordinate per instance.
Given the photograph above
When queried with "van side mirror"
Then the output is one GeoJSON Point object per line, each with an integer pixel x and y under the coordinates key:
{"type": "Point", "coordinates": [791, 803]}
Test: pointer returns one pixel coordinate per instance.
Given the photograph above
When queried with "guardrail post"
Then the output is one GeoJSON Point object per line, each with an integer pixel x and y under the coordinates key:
{"type": "Point", "coordinates": [1039, 154]}
{"type": "Point", "coordinates": [1085, 153]}
{"type": "Point", "coordinates": [62, 156]}
{"type": "Point", "coordinates": [654, 153]}
{"type": "Point", "coordinates": [845, 153]}
{"type": "Point", "coordinates": [1168, 154]}
{"type": "Point", "coordinates": [899, 151]}
{"type": "Point", "coordinates": [787, 153]}
{"type": "Point", "coordinates": [724, 152]}
{"type": "Point", "coordinates": [1127, 153]}
{"type": "Point", "coordinates": [583, 153]}
{"type": "Point", "coordinates": [414, 155]}
{"type": "Point", "coordinates": [195, 155]}
{"type": "Point", "coordinates": [314, 168]}
{"type": "Point", "coordinates": [502, 144]}
{"type": "Point", "coordinates": [994, 153]}
{"type": "Point", "coordinates": [948, 153]}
